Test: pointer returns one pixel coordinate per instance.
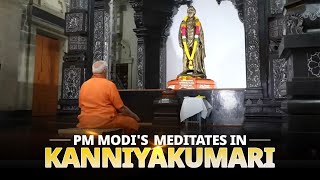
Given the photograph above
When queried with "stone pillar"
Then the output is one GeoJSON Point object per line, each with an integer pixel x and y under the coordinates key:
{"type": "Point", "coordinates": [102, 34]}
{"type": "Point", "coordinates": [163, 62]}
{"type": "Point", "coordinates": [113, 42]}
{"type": "Point", "coordinates": [141, 56]}
{"type": "Point", "coordinates": [141, 32]}
{"type": "Point", "coordinates": [300, 47]}
{"type": "Point", "coordinates": [90, 29]}
{"type": "Point", "coordinates": [252, 44]}
{"type": "Point", "coordinates": [277, 65]}
{"type": "Point", "coordinates": [163, 44]}
{"type": "Point", "coordinates": [259, 99]}
{"type": "Point", "coordinates": [77, 61]}
{"type": "Point", "coordinates": [254, 93]}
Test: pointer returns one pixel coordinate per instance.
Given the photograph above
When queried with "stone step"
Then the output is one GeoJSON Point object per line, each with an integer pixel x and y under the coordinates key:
{"type": "Point", "coordinates": [304, 123]}
{"type": "Point", "coordinates": [302, 87]}
{"type": "Point", "coordinates": [166, 114]}
{"type": "Point", "coordinates": [303, 106]}
{"type": "Point", "coordinates": [166, 121]}
{"type": "Point", "coordinates": [264, 115]}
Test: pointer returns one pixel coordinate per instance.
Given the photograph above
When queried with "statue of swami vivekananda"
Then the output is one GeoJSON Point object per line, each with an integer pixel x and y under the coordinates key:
{"type": "Point", "coordinates": [191, 40]}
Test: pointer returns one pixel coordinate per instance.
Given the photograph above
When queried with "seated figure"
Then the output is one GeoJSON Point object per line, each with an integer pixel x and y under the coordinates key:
{"type": "Point", "coordinates": [101, 105]}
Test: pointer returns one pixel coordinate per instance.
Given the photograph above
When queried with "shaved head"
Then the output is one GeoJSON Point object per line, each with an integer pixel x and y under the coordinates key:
{"type": "Point", "coordinates": [99, 67]}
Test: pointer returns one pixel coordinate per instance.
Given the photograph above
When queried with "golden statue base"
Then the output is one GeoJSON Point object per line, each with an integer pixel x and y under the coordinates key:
{"type": "Point", "coordinates": [191, 82]}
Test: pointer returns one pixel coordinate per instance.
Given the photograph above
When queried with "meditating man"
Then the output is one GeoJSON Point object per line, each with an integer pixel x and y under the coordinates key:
{"type": "Point", "coordinates": [101, 105]}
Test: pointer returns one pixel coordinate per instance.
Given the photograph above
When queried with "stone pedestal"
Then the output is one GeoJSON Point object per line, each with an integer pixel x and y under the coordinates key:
{"type": "Point", "coordinates": [166, 112]}
{"type": "Point", "coordinates": [302, 52]}
{"type": "Point", "coordinates": [189, 82]}
{"type": "Point", "coordinates": [300, 46]}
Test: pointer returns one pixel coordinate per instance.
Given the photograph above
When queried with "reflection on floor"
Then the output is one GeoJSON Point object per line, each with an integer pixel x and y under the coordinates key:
{"type": "Point", "coordinates": [28, 142]}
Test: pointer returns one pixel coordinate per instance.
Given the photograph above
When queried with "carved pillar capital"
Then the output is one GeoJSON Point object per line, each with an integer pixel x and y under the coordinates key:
{"type": "Point", "coordinates": [141, 32]}
{"type": "Point", "coordinates": [239, 5]}
{"type": "Point", "coordinates": [137, 5]}
{"type": "Point", "coordinates": [168, 16]}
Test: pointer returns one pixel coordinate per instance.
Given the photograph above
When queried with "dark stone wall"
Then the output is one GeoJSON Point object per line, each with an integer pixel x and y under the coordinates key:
{"type": "Point", "coordinates": [300, 47]}
{"type": "Point", "coordinates": [227, 104]}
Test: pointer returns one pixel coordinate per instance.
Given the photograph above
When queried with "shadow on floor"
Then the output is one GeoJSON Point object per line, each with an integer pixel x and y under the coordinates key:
{"type": "Point", "coordinates": [27, 142]}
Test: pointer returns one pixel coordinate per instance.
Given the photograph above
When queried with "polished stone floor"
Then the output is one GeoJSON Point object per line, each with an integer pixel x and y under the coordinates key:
{"type": "Point", "coordinates": [24, 145]}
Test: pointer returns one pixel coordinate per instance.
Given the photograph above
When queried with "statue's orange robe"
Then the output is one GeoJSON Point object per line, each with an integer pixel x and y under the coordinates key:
{"type": "Point", "coordinates": [99, 100]}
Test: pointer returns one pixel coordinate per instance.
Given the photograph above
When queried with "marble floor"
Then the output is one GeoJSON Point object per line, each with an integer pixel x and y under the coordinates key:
{"type": "Point", "coordinates": [24, 145]}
